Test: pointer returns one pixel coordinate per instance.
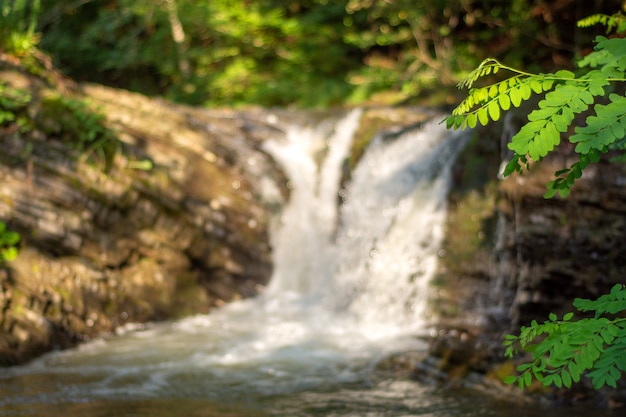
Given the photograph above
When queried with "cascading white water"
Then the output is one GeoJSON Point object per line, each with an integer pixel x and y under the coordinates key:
{"type": "Point", "coordinates": [303, 253]}
{"type": "Point", "coordinates": [370, 259]}
{"type": "Point", "coordinates": [349, 285]}
{"type": "Point", "coordinates": [392, 227]}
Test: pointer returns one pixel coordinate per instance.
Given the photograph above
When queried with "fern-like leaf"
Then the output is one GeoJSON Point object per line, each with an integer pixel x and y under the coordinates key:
{"type": "Point", "coordinates": [595, 347]}
{"type": "Point", "coordinates": [483, 105]}
{"type": "Point", "coordinates": [610, 54]}
{"type": "Point", "coordinates": [616, 21]}
{"type": "Point", "coordinates": [566, 96]}
{"type": "Point", "coordinates": [604, 128]}
{"type": "Point", "coordinates": [612, 302]}
{"type": "Point", "coordinates": [555, 113]}
{"type": "Point", "coordinates": [488, 66]}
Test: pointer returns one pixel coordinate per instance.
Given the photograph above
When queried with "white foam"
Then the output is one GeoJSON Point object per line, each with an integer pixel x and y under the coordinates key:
{"type": "Point", "coordinates": [349, 283]}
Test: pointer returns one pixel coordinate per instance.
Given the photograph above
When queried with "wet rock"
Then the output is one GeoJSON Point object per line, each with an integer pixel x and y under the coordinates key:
{"type": "Point", "coordinates": [520, 258]}
{"type": "Point", "coordinates": [177, 215]}
{"type": "Point", "coordinates": [560, 249]}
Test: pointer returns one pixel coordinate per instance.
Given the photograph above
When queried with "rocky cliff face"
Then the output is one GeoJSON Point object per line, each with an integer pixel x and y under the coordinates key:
{"type": "Point", "coordinates": [513, 256]}
{"type": "Point", "coordinates": [176, 223]}
{"type": "Point", "coordinates": [527, 256]}
{"type": "Point", "coordinates": [550, 251]}
{"type": "Point", "coordinates": [103, 248]}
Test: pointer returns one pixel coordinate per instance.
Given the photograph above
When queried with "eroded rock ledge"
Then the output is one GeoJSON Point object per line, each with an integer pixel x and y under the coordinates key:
{"type": "Point", "coordinates": [100, 249]}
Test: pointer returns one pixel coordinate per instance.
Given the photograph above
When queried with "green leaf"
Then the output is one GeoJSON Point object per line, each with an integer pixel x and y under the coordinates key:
{"type": "Point", "coordinates": [525, 91]}
{"type": "Point", "coordinates": [551, 191]}
{"type": "Point", "coordinates": [536, 86]}
{"type": "Point", "coordinates": [521, 140]}
{"type": "Point", "coordinates": [483, 117]}
{"type": "Point", "coordinates": [564, 74]}
{"type": "Point", "coordinates": [603, 128]}
{"type": "Point", "coordinates": [547, 84]}
{"type": "Point", "coordinates": [575, 371]}
{"type": "Point", "coordinates": [486, 67]}
{"type": "Point", "coordinates": [543, 142]}
{"type": "Point", "coordinates": [566, 378]}
{"type": "Point", "coordinates": [548, 380]}
{"type": "Point", "coordinates": [505, 102]}
{"type": "Point", "coordinates": [493, 91]}
{"type": "Point", "coordinates": [494, 111]}
{"type": "Point", "coordinates": [471, 120]}
{"type": "Point", "coordinates": [516, 97]}
{"type": "Point", "coordinates": [586, 97]}
{"type": "Point", "coordinates": [542, 114]}
{"type": "Point", "coordinates": [510, 379]}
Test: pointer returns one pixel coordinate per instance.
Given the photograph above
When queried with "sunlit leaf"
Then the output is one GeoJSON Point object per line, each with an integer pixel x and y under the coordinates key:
{"type": "Point", "coordinates": [494, 111]}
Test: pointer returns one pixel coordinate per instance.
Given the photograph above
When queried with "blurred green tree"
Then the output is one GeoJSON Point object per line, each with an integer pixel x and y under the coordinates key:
{"type": "Point", "coordinates": [309, 53]}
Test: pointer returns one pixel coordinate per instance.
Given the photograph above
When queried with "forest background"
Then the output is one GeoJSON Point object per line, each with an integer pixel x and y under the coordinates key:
{"type": "Point", "coordinates": [312, 53]}
{"type": "Point", "coordinates": [308, 53]}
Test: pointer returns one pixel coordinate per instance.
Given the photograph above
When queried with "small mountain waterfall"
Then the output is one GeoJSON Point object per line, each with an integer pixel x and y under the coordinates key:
{"type": "Point", "coordinates": [372, 256]}
{"type": "Point", "coordinates": [391, 228]}
{"type": "Point", "coordinates": [352, 265]}
{"type": "Point", "coordinates": [302, 239]}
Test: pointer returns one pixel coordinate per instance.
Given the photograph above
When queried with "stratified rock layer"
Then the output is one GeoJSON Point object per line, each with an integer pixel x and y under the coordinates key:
{"type": "Point", "coordinates": [100, 249]}
{"type": "Point", "coordinates": [552, 251]}
{"type": "Point", "coordinates": [512, 256]}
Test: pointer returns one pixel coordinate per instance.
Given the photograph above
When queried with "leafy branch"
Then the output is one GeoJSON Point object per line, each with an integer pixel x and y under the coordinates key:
{"type": "Point", "coordinates": [616, 21]}
{"type": "Point", "coordinates": [563, 97]}
{"type": "Point", "coordinates": [564, 350]}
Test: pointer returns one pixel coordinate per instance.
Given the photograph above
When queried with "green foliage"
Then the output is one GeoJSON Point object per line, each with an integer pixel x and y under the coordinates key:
{"type": "Point", "coordinates": [563, 96]}
{"type": "Point", "coordinates": [272, 53]}
{"type": "Point", "coordinates": [615, 22]}
{"type": "Point", "coordinates": [68, 119]}
{"type": "Point", "coordinates": [310, 53]}
{"type": "Point", "coordinates": [18, 22]}
{"type": "Point", "coordinates": [73, 121]}
{"type": "Point", "coordinates": [8, 244]}
{"type": "Point", "coordinates": [564, 350]}
{"type": "Point", "coordinates": [13, 104]}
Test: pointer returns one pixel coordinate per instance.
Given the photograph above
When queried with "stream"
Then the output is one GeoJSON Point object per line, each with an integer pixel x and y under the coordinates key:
{"type": "Point", "coordinates": [353, 259]}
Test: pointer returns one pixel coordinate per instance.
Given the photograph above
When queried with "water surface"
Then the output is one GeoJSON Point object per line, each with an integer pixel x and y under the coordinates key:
{"type": "Point", "coordinates": [353, 260]}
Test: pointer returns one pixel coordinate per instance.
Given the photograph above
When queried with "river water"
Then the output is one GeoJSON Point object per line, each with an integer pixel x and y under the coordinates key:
{"type": "Point", "coordinates": [349, 289]}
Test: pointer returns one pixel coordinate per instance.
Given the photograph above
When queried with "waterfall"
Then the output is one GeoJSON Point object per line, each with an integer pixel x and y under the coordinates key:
{"type": "Point", "coordinates": [392, 225]}
{"type": "Point", "coordinates": [373, 255]}
{"type": "Point", "coordinates": [353, 260]}
{"type": "Point", "coordinates": [302, 238]}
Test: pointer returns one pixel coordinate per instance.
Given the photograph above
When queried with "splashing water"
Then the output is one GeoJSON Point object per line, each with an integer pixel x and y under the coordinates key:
{"type": "Point", "coordinates": [349, 286]}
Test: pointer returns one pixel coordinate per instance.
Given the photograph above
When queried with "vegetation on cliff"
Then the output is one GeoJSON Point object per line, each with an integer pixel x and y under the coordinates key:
{"type": "Point", "coordinates": [564, 349]}
{"type": "Point", "coordinates": [8, 243]}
